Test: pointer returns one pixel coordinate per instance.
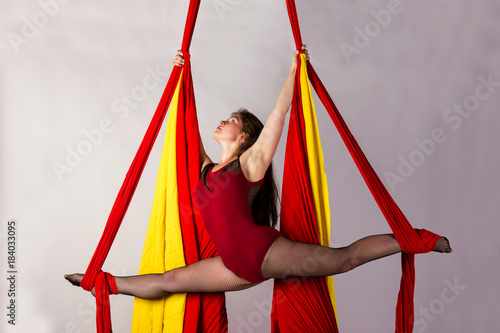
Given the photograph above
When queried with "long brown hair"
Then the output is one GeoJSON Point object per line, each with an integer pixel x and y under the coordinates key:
{"type": "Point", "coordinates": [264, 206]}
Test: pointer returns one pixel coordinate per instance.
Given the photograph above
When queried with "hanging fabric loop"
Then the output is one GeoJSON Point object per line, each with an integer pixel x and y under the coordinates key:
{"type": "Point", "coordinates": [409, 240]}
{"type": "Point", "coordinates": [94, 277]}
{"type": "Point", "coordinates": [305, 305]}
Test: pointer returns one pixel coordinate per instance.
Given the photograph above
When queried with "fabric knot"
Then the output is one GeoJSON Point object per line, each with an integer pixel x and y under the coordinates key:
{"type": "Point", "coordinates": [105, 285]}
{"type": "Point", "coordinates": [419, 241]}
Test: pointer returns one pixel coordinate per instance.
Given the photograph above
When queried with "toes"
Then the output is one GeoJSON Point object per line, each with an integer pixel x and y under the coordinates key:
{"type": "Point", "coordinates": [74, 279]}
{"type": "Point", "coordinates": [448, 246]}
{"type": "Point", "coordinates": [443, 245]}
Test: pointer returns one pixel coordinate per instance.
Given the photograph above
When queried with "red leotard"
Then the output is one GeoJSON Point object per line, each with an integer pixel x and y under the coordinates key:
{"type": "Point", "coordinates": [224, 198]}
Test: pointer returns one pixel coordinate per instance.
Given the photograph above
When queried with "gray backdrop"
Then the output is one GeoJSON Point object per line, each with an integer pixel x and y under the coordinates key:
{"type": "Point", "coordinates": [418, 82]}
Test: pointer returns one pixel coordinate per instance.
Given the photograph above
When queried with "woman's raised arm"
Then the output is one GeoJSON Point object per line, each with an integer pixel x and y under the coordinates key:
{"type": "Point", "coordinates": [256, 159]}
{"type": "Point", "coordinates": [204, 158]}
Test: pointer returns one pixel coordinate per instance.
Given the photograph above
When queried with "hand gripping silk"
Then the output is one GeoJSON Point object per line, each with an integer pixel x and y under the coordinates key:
{"type": "Point", "coordinates": [411, 241]}
{"type": "Point", "coordinates": [171, 242]}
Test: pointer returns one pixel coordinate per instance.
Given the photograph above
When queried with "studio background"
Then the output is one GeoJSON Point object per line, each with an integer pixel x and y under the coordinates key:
{"type": "Point", "coordinates": [420, 92]}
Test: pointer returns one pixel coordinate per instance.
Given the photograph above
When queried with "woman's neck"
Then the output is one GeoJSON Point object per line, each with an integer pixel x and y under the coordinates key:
{"type": "Point", "coordinates": [225, 159]}
{"type": "Point", "coordinates": [229, 153]}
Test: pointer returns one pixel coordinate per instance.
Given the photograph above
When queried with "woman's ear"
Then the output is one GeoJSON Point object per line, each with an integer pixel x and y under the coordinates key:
{"type": "Point", "coordinates": [244, 136]}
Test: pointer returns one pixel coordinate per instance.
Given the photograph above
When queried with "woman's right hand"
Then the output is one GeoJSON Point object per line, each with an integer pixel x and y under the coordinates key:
{"type": "Point", "coordinates": [296, 54]}
{"type": "Point", "coordinates": [179, 59]}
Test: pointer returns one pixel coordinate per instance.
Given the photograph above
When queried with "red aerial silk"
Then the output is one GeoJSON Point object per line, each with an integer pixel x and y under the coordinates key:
{"type": "Point", "coordinates": [411, 241]}
{"type": "Point", "coordinates": [300, 305]}
{"type": "Point", "coordinates": [197, 243]}
{"type": "Point", "coordinates": [205, 312]}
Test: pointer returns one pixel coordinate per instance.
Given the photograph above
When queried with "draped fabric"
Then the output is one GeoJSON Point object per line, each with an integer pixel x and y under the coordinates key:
{"type": "Point", "coordinates": [304, 305]}
{"type": "Point", "coordinates": [411, 241]}
{"type": "Point", "coordinates": [176, 237]}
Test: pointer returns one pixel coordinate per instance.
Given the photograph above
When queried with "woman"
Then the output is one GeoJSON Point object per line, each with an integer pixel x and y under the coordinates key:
{"type": "Point", "coordinates": [237, 200]}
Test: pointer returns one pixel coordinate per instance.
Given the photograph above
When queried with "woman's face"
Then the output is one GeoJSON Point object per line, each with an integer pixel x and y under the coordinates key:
{"type": "Point", "coordinates": [228, 130]}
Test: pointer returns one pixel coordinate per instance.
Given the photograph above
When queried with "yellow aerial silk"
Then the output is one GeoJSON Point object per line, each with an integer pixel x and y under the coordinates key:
{"type": "Point", "coordinates": [163, 247]}
{"type": "Point", "coordinates": [319, 183]}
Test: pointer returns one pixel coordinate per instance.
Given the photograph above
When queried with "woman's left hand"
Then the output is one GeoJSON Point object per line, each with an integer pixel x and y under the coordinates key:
{"type": "Point", "coordinates": [179, 59]}
{"type": "Point", "coordinates": [296, 55]}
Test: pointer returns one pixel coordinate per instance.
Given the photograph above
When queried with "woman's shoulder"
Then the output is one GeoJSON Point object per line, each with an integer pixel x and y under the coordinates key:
{"type": "Point", "coordinates": [205, 169]}
{"type": "Point", "coordinates": [234, 165]}
{"type": "Point", "coordinates": [253, 170]}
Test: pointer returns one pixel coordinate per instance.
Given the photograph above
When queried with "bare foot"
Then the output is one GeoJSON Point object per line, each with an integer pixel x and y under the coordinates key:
{"type": "Point", "coordinates": [76, 279]}
{"type": "Point", "coordinates": [443, 246]}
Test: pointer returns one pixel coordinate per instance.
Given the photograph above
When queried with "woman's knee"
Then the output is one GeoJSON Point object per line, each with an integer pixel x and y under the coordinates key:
{"type": "Point", "coordinates": [208, 275]}
{"type": "Point", "coordinates": [352, 259]}
{"type": "Point", "coordinates": [325, 261]}
{"type": "Point", "coordinates": [170, 281]}
{"type": "Point", "coordinates": [332, 261]}
{"type": "Point", "coordinates": [292, 259]}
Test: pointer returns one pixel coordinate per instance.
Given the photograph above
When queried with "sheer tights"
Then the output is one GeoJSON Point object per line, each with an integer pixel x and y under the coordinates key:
{"type": "Point", "coordinates": [284, 259]}
{"type": "Point", "coordinates": [208, 275]}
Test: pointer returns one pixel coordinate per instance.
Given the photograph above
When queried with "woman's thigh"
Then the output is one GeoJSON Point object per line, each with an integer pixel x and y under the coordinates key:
{"type": "Point", "coordinates": [286, 258]}
{"type": "Point", "coordinates": [207, 275]}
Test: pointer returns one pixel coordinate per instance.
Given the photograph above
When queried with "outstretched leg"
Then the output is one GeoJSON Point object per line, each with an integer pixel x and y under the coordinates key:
{"type": "Point", "coordinates": [208, 275]}
{"type": "Point", "coordinates": [286, 258]}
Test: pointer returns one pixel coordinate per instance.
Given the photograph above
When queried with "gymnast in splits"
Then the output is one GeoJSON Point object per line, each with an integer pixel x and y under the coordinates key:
{"type": "Point", "coordinates": [237, 199]}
